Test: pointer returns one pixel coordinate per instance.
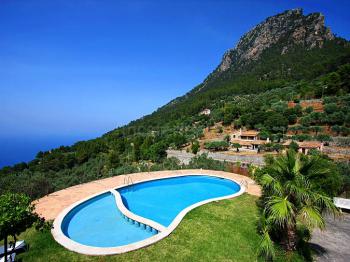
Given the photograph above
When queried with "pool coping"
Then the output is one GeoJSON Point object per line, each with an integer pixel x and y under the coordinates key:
{"type": "Point", "coordinates": [70, 244]}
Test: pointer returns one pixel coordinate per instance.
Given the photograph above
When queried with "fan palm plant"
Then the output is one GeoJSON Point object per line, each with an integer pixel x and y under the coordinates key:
{"type": "Point", "coordinates": [290, 200]}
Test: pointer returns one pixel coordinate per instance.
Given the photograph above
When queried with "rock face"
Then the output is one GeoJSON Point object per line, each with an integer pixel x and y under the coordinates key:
{"type": "Point", "coordinates": [288, 28]}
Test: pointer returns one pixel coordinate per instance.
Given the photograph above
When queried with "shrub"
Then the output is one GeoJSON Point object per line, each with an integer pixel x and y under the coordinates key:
{"type": "Point", "coordinates": [237, 146]}
{"type": "Point", "coordinates": [294, 146]}
{"type": "Point", "coordinates": [323, 138]}
{"type": "Point", "coordinates": [195, 147]}
{"type": "Point", "coordinates": [216, 145]}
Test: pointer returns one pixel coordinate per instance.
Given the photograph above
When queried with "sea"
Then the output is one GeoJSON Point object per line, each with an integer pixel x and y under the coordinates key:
{"type": "Point", "coordinates": [15, 149]}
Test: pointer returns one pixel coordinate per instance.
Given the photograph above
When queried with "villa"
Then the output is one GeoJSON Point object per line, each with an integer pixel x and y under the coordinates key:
{"type": "Point", "coordinates": [248, 139]}
{"type": "Point", "coordinates": [249, 135]}
{"type": "Point", "coordinates": [205, 112]}
{"type": "Point", "coordinates": [306, 146]}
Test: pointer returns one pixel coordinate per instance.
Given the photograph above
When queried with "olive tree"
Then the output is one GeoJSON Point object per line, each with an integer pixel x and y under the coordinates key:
{"type": "Point", "coordinates": [16, 215]}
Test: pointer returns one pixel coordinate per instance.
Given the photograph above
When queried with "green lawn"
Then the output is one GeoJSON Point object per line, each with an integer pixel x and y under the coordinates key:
{"type": "Point", "coordinates": [221, 231]}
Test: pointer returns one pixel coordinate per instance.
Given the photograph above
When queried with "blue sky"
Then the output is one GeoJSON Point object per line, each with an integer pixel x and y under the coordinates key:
{"type": "Point", "coordinates": [81, 68]}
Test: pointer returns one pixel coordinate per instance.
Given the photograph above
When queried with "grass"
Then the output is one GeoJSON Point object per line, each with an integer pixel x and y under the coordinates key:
{"type": "Point", "coordinates": [219, 231]}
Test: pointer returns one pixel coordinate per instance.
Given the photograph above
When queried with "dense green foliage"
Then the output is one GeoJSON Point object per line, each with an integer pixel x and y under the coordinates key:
{"type": "Point", "coordinates": [296, 193]}
{"type": "Point", "coordinates": [217, 145]}
{"type": "Point", "coordinates": [16, 216]}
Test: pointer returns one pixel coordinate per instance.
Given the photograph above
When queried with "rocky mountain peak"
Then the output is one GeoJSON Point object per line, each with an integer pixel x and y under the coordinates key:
{"type": "Point", "coordinates": [290, 28]}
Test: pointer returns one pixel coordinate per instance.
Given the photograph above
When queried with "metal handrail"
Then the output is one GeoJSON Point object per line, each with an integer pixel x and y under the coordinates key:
{"type": "Point", "coordinates": [128, 180]}
{"type": "Point", "coordinates": [244, 183]}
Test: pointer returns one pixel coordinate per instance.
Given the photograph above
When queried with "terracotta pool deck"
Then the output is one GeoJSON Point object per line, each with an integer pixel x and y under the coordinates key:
{"type": "Point", "coordinates": [51, 205]}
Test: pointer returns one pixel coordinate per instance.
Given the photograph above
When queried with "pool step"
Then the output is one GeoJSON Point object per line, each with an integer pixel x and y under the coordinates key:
{"type": "Point", "coordinates": [139, 224]}
{"type": "Point", "coordinates": [145, 223]}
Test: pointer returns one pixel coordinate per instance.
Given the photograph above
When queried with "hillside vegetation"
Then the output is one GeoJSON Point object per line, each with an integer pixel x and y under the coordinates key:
{"type": "Point", "coordinates": [288, 57]}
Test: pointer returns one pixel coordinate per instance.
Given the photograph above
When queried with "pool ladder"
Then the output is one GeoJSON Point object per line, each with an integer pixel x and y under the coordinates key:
{"type": "Point", "coordinates": [244, 183]}
{"type": "Point", "coordinates": [128, 180]}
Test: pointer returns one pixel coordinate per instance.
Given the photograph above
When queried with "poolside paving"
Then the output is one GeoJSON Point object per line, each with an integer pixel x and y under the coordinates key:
{"type": "Point", "coordinates": [51, 205]}
{"type": "Point", "coordinates": [333, 244]}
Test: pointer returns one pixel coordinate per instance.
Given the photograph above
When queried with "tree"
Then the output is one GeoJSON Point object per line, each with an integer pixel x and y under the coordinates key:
{"type": "Point", "coordinates": [305, 121]}
{"type": "Point", "coordinates": [217, 145]}
{"type": "Point", "coordinates": [324, 138]}
{"type": "Point", "coordinates": [275, 121]}
{"type": "Point", "coordinates": [16, 215]}
{"type": "Point", "coordinates": [195, 147]}
{"type": "Point", "coordinates": [296, 128]}
{"type": "Point", "coordinates": [294, 146]}
{"type": "Point", "coordinates": [291, 200]}
{"type": "Point", "coordinates": [113, 159]}
{"type": "Point", "coordinates": [157, 151]}
{"type": "Point", "coordinates": [344, 73]}
{"type": "Point", "coordinates": [316, 129]}
{"type": "Point", "coordinates": [336, 129]}
{"type": "Point", "coordinates": [330, 108]}
{"type": "Point", "coordinates": [231, 112]}
{"type": "Point", "coordinates": [277, 147]}
{"type": "Point", "coordinates": [333, 83]}
{"type": "Point", "coordinates": [292, 119]}
{"type": "Point", "coordinates": [337, 118]}
{"type": "Point", "coordinates": [309, 109]}
{"type": "Point", "coordinates": [264, 134]}
{"type": "Point", "coordinates": [344, 130]}
{"type": "Point", "coordinates": [237, 146]}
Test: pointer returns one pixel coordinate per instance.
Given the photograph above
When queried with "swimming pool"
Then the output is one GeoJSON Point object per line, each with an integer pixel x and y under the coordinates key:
{"type": "Point", "coordinates": [137, 215]}
{"type": "Point", "coordinates": [162, 200]}
{"type": "Point", "coordinates": [98, 222]}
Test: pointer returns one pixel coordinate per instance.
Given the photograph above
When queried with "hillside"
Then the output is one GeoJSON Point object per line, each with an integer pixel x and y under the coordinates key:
{"type": "Point", "coordinates": [284, 48]}
{"type": "Point", "coordinates": [287, 57]}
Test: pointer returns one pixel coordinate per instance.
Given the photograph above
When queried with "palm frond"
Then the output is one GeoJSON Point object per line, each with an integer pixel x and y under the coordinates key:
{"type": "Point", "coordinates": [280, 210]}
{"type": "Point", "coordinates": [299, 191]}
{"type": "Point", "coordinates": [266, 246]}
{"type": "Point", "coordinates": [296, 164]}
{"type": "Point", "coordinates": [311, 217]}
{"type": "Point", "coordinates": [314, 167]}
{"type": "Point", "coordinates": [325, 203]}
{"type": "Point", "coordinates": [271, 185]}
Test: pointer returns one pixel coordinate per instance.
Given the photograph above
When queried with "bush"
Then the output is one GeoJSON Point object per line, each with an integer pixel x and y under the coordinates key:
{"type": "Point", "coordinates": [205, 162]}
{"type": "Point", "coordinates": [309, 109]}
{"type": "Point", "coordinates": [294, 146]}
{"type": "Point", "coordinates": [323, 138]}
{"type": "Point", "coordinates": [270, 147]}
{"type": "Point", "coordinates": [195, 147]}
{"type": "Point", "coordinates": [302, 137]}
{"type": "Point", "coordinates": [330, 108]}
{"type": "Point", "coordinates": [237, 146]}
{"type": "Point", "coordinates": [216, 145]}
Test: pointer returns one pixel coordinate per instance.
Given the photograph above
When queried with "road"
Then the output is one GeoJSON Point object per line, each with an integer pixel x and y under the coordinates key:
{"type": "Point", "coordinates": [333, 244]}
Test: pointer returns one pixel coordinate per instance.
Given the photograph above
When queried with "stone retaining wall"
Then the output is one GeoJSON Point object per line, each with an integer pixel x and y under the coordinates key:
{"type": "Point", "coordinates": [186, 157]}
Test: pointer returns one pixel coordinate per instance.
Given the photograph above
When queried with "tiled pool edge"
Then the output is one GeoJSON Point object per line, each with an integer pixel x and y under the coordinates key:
{"type": "Point", "coordinates": [163, 232]}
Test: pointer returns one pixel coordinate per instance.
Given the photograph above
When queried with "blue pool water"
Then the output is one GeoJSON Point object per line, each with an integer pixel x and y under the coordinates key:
{"type": "Point", "coordinates": [98, 222]}
{"type": "Point", "coordinates": [162, 200]}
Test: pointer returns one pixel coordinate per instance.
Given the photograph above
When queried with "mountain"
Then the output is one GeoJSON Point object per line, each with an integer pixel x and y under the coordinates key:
{"type": "Point", "coordinates": [289, 56]}
{"type": "Point", "coordinates": [289, 28]}
{"type": "Point", "coordinates": [286, 47]}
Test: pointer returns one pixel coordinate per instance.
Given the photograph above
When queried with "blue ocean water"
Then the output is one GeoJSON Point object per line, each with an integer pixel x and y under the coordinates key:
{"type": "Point", "coordinates": [15, 149]}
